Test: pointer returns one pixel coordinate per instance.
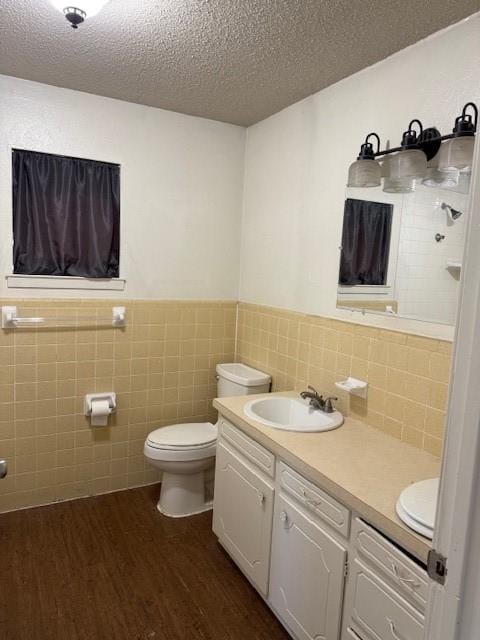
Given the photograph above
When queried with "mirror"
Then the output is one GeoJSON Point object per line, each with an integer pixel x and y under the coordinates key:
{"type": "Point", "coordinates": [401, 253]}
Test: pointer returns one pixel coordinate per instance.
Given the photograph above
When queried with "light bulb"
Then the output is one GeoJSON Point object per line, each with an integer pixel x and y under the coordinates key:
{"type": "Point", "coordinates": [89, 7]}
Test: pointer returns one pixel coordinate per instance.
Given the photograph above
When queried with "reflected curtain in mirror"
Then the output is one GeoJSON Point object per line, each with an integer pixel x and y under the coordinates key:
{"type": "Point", "coordinates": [66, 216]}
{"type": "Point", "coordinates": [365, 242]}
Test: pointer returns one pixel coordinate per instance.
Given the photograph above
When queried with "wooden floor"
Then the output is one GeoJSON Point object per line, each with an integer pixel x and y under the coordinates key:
{"type": "Point", "coordinates": [113, 568]}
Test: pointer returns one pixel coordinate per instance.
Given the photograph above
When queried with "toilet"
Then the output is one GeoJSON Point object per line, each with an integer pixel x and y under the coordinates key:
{"type": "Point", "coordinates": [184, 452]}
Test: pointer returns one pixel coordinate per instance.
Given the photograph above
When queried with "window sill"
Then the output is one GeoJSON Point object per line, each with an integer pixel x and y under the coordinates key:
{"type": "Point", "coordinates": [17, 281]}
{"type": "Point", "coordinates": [363, 290]}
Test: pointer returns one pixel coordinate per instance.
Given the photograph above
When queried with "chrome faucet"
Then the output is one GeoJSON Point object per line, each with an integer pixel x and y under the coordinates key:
{"type": "Point", "coordinates": [317, 401]}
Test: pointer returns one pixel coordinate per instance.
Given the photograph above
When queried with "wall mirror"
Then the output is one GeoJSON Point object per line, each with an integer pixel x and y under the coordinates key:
{"type": "Point", "coordinates": [401, 253]}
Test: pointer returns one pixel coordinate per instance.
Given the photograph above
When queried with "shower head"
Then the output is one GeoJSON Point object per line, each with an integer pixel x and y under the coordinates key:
{"type": "Point", "coordinates": [453, 214]}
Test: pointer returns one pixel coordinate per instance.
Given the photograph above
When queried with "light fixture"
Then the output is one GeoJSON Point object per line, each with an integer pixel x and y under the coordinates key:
{"type": "Point", "coordinates": [402, 166]}
{"type": "Point", "coordinates": [410, 162]}
{"type": "Point", "coordinates": [366, 171]}
{"type": "Point", "coordinates": [76, 14]}
{"type": "Point", "coordinates": [457, 152]}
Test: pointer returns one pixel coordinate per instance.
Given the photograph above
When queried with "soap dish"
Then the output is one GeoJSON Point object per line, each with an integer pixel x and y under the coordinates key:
{"type": "Point", "coordinates": [354, 387]}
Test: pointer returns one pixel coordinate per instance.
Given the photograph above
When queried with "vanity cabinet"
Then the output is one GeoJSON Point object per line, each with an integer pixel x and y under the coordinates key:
{"type": "Point", "coordinates": [242, 513]}
{"type": "Point", "coordinates": [303, 551]}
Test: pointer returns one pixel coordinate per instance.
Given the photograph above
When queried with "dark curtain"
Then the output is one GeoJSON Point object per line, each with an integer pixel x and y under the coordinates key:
{"type": "Point", "coordinates": [66, 216]}
{"type": "Point", "coordinates": [365, 242]}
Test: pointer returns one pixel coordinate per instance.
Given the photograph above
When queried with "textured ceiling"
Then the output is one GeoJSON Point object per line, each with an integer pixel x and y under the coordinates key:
{"type": "Point", "coordinates": [233, 60]}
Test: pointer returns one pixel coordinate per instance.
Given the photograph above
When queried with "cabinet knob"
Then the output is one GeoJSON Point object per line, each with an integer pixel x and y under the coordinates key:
{"type": "Point", "coordinates": [3, 468]}
{"type": "Point", "coordinates": [261, 497]}
{"type": "Point", "coordinates": [285, 520]}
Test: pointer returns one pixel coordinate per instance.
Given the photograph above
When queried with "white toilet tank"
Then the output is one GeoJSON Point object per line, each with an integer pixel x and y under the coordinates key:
{"type": "Point", "coordinates": [235, 379]}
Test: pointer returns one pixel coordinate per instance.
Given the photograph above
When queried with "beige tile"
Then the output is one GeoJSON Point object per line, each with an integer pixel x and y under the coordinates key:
{"type": "Point", "coordinates": [412, 436]}
{"type": "Point", "coordinates": [361, 346]}
{"type": "Point", "coordinates": [377, 375]}
{"type": "Point", "coordinates": [162, 368]}
{"type": "Point", "coordinates": [440, 367]}
{"type": "Point", "coordinates": [407, 374]}
{"type": "Point", "coordinates": [434, 422]}
{"type": "Point", "coordinates": [432, 445]}
{"type": "Point", "coordinates": [418, 362]}
{"type": "Point", "coordinates": [438, 395]}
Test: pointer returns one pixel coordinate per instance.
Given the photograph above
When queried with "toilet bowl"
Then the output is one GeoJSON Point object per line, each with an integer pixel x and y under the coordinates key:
{"type": "Point", "coordinates": [183, 452]}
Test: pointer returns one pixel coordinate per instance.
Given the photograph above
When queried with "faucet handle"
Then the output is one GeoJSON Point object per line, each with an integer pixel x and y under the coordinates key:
{"type": "Point", "coordinates": [313, 390]}
{"type": "Point", "coordinates": [329, 408]}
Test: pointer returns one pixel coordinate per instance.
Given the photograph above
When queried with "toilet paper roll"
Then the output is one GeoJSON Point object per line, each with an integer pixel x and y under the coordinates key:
{"type": "Point", "coordinates": [100, 413]}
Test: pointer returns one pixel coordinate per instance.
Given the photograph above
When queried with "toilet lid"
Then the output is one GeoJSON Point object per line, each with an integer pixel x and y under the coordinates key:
{"type": "Point", "coordinates": [418, 504]}
{"type": "Point", "coordinates": [183, 436]}
{"type": "Point", "coordinates": [413, 524]}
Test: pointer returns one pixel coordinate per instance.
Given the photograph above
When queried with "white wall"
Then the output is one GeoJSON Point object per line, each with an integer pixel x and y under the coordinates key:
{"type": "Point", "coordinates": [297, 163]}
{"type": "Point", "coordinates": [181, 186]}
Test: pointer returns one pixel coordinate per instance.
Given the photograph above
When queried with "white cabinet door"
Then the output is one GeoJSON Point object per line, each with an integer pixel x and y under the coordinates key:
{"type": "Point", "coordinates": [307, 575]}
{"type": "Point", "coordinates": [242, 514]}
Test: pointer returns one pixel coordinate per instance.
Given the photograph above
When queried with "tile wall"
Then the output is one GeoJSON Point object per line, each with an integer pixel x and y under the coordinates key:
{"type": "Point", "coordinates": [162, 368]}
{"type": "Point", "coordinates": [425, 287]}
{"type": "Point", "coordinates": [161, 365]}
{"type": "Point", "coordinates": [407, 374]}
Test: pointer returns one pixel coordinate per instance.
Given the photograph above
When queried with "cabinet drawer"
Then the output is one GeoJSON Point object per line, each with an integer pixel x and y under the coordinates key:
{"type": "Point", "coordinates": [410, 580]}
{"type": "Point", "coordinates": [314, 499]}
{"type": "Point", "coordinates": [377, 611]}
{"type": "Point", "coordinates": [350, 635]}
{"type": "Point", "coordinates": [257, 454]}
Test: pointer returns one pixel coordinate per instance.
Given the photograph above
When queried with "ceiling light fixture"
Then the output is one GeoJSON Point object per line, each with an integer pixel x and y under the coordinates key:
{"type": "Point", "coordinates": [76, 14]}
{"type": "Point", "coordinates": [408, 162]}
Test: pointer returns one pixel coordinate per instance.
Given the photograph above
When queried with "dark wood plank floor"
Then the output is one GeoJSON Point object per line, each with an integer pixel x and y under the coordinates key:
{"type": "Point", "coordinates": [113, 568]}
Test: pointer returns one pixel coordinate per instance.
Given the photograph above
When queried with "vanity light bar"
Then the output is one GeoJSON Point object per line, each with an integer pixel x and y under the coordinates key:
{"type": "Point", "coordinates": [428, 140]}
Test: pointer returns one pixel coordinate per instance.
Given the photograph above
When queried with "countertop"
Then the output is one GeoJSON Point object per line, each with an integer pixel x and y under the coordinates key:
{"type": "Point", "coordinates": [363, 468]}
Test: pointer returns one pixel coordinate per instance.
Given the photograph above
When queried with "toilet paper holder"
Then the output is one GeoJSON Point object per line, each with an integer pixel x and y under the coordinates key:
{"type": "Point", "coordinates": [90, 398]}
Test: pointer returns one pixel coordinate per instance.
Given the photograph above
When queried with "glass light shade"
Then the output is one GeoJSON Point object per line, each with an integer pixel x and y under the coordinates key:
{"type": "Point", "coordinates": [404, 185]}
{"type": "Point", "coordinates": [90, 7]}
{"type": "Point", "coordinates": [385, 164]}
{"type": "Point", "coordinates": [364, 173]}
{"type": "Point", "coordinates": [456, 153]}
{"type": "Point", "coordinates": [442, 179]}
{"type": "Point", "coordinates": [410, 163]}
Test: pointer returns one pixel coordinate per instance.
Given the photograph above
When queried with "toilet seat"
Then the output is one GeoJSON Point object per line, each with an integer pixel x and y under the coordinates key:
{"type": "Point", "coordinates": [178, 437]}
{"type": "Point", "coordinates": [417, 505]}
{"type": "Point", "coordinates": [182, 442]}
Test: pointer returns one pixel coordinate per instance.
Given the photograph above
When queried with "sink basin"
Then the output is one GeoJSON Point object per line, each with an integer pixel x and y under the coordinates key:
{"type": "Point", "coordinates": [291, 414]}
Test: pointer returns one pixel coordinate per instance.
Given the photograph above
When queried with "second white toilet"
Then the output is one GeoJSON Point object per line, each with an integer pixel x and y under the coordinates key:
{"type": "Point", "coordinates": [185, 451]}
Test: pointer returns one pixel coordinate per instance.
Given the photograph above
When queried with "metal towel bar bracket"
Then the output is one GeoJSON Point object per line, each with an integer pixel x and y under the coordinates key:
{"type": "Point", "coordinates": [11, 320]}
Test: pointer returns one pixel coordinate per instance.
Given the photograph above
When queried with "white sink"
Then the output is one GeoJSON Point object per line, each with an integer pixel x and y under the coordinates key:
{"type": "Point", "coordinates": [291, 414]}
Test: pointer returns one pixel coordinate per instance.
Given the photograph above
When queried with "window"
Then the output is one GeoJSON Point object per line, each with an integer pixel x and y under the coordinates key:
{"type": "Point", "coordinates": [66, 216]}
{"type": "Point", "coordinates": [365, 242]}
